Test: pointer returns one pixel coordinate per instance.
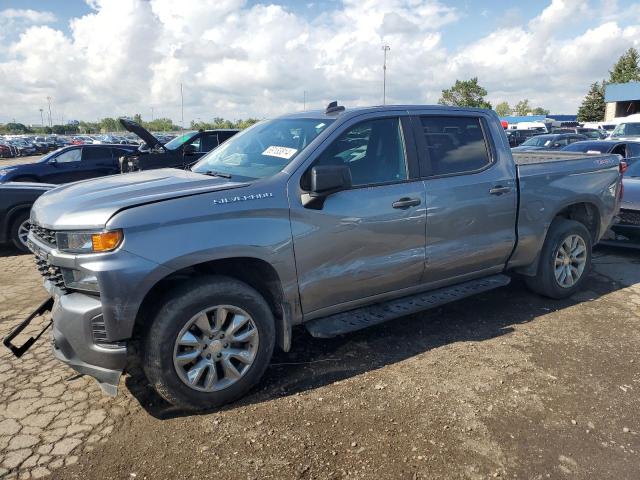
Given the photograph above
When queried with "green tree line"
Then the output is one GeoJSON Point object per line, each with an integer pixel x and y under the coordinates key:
{"type": "Point", "coordinates": [108, 125]}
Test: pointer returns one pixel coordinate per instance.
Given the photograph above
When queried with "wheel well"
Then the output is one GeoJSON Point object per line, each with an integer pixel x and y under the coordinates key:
{"type": "Point", "coordinates": [256, 273]}
{"type": "Point", "coordinates": [585, 213]}
{"type": "Point", "coordinates": [11, 218]}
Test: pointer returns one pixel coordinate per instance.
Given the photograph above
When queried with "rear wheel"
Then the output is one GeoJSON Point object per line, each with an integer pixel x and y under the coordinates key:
{"type": "Point", "coordinates": [209, 343]}
{"type": "Point", "coordinates": [565, 260]}
{"type": "Point", "coordinates": [20, 231]}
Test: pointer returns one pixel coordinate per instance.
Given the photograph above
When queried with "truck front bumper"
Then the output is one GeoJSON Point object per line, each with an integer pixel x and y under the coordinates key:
{"type": "Point", "coordinates": [79, 340]}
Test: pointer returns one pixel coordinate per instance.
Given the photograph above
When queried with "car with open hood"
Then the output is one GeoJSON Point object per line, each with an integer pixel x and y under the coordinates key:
{"type": "Point", "coordinates": [180, 152]}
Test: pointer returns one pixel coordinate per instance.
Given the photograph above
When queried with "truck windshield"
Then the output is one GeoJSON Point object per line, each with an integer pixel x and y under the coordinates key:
{"type": "Point", "coordinates": [627, 130]}
{"type": "Point", "coordinates": [263, 149]}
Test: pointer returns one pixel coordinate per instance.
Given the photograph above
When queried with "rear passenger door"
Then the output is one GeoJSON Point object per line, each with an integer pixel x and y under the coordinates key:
{"type": "Point", "coordinates": [471, 196]}
{"type": "Point", "coordinates": [97, 162]}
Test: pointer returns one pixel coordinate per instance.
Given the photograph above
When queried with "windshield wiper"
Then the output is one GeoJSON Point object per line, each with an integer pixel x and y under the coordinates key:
{"type": "Point", "coordinates": [211, 173]}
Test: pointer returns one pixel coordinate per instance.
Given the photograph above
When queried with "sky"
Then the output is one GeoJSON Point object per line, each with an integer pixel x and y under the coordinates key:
{"type": "Point", "coordinates": [250, 58]}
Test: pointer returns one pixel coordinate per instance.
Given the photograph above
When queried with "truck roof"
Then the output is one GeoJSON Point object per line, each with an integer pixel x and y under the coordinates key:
{"type": "Point", "coordinates": [355, 111]}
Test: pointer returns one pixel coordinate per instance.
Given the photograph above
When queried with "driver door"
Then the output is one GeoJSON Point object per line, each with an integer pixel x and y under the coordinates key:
{"type": "Point", "coordinates": [368, 241]}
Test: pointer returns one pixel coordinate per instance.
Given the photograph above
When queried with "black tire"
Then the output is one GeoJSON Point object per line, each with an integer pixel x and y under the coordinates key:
{"type": "Point", "coordinates": [545, 282]}
{"type": "Point", "coordinates": [184, 302]}
{"type": "Point", "coordinates": [15, 231]}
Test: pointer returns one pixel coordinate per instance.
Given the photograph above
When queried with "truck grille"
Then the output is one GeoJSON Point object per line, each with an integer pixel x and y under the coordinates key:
{"type": "Point", "coordinates": [44, 234]}
{"type": "Point", "coordinates": [630, 217]}
{"type": "Point", "coordinates": [50, 272]}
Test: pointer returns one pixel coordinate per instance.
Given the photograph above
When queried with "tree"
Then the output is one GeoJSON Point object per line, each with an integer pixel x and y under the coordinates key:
{"type": "Point", "coordinates": [540, 111]}
{"type": "Point", "coordinates": [626, 69]}
{"type": "Point", "coordinates": [465, 93]}
{"type": "Point", "coordinates": [503, 109]}
{"type": "Point", "coordinates": [593, 105]}
{"type": "Point", "coordinates": [522, 107]}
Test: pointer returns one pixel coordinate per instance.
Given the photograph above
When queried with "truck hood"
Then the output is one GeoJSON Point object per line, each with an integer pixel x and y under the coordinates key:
{"type": "Point", "coordinates": [90, 204]}
{"type": "Point", "coordinates": [146, 136]}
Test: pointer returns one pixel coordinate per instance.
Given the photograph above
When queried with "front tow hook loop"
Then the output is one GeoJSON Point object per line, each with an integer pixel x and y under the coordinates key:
{"type": "Point", "coordinates": [18, 351]}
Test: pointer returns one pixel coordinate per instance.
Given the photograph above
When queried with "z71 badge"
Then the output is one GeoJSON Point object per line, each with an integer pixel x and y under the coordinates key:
{"type": "Point", "coordinates": [241, 198]}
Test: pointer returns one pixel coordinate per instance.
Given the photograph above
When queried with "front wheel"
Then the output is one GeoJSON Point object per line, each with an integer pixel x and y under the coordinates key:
{"type": "Point", "coordinates": [565, 260]}
{"type": "Point", "coordinates": [209, 343]}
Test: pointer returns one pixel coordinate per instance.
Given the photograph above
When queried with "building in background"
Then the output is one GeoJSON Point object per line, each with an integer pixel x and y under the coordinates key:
{"type": "Point", "coordinates": [622, 99]}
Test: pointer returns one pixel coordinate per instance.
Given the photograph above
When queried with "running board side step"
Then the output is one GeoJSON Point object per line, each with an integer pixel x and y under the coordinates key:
{"type": "Point", "coordinates": [345, 322]}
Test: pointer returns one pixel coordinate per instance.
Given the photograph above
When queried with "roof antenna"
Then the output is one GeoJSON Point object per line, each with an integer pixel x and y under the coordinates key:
{"type": "Point", "coordinates": [333, 107]}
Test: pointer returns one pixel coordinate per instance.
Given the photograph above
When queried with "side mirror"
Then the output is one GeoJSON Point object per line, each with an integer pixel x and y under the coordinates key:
{"type": "Point", "coordinates": [556, 145]}
{"type": "Point", "coordinates": [326, 180]}
{"type": "Point", "coordinates": [53, 162]}
{"type": "Point", "coordinates": [189, 149]}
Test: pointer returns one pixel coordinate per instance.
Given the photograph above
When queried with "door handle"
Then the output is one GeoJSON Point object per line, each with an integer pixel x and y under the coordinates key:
{"type": "Point", "coordinates": [406, 202]}
{"type": "Point", "coordinates": [499, 190]}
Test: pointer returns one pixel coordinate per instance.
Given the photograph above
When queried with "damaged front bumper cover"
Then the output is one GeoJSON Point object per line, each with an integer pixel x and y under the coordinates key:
{"type": "Point", "coordinates": [76, 320]}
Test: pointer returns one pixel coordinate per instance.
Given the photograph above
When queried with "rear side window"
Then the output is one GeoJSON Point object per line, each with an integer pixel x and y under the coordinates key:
{"type": "Point", "coordinates": [634, 149]}
{"type": "Point", "coordinates": [69, 156]}
{"type": "Point", "coordinates": [455, 145]}
{"type": "Point", "coordinates": [96, 153]}
{"type": "Point", "coordinates": [373, 151]}
{"type": "Point", "coordinates": [208, 142]}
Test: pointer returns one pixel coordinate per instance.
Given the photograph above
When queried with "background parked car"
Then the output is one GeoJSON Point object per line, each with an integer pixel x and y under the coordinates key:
{"type": "Point", "coordinates": [549, 141]}
{"type": "Point", "coordinates": [629, 225]}
{"type": "Point", "coordinates": [626, 131]}
{"type": "Point", "coordinates": [181, 152]}
{"type": "Point", "coordinates": [517, 137]}
{"type": "Point", "coordinates": [16, 200]}
{"type": "Point", "coordinates": [69, 164]}
{"type": "Point", "coordinates": [592, 133]}
{"type": "Point", "coordinates": [630, 151]}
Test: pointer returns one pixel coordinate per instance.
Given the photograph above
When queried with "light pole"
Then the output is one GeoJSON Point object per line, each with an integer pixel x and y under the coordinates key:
{"type": "Point", "coordinates": [41, 118]}
{"type": "Point", "coordinates": [49, 101]}
{"type": "Point", "coordinates": [304, 101]}
{"type": "Point", "coordinates": [385, 49]}
{"type": "Point", "coordinates": [181, 107]}
{"type": "Point", "coordinates": [152, 114]}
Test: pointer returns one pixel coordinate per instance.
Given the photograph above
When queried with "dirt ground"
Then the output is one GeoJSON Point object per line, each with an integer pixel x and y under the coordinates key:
{"type": "Point", "coordinates": [506, 384]}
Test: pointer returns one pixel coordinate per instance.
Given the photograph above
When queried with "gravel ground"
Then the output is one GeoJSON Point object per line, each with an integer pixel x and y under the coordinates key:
{"type": "Point", "coordinates": [506, 384]}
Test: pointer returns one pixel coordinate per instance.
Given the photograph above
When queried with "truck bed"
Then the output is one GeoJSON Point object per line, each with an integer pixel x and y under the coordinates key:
{"type": "Point", "coordinates": [528, 158]}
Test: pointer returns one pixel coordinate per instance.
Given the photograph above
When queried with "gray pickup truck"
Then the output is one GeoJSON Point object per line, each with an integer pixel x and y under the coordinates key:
{"type": "Point", "coordinates": [336, 219]}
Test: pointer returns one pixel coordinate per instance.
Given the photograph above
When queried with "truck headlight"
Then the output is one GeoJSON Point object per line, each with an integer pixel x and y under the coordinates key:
{"type": "Point", "coordinates": [89, 242]}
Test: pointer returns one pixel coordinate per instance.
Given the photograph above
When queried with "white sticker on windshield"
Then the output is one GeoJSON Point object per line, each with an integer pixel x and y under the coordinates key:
{"type": "Point", "coordinates": [282, 152]}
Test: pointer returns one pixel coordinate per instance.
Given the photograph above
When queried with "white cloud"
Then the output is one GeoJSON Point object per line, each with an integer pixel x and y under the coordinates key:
{"type": "Point", "coordinates": [236, 59]}
{"type": "Point", "coordinates": [13, 20]}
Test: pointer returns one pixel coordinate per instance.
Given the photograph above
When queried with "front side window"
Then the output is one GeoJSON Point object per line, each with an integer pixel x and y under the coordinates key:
{"type": "Point", "coordinates": [373, 151]}
{"type": "Point", "coordinates": [69, 156]}
{"type": "Point", "coordinates": [455, 144]}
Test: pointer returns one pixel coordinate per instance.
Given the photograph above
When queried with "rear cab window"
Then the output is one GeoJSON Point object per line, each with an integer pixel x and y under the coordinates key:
{"type": "Point", "coordinates": [453, 145]}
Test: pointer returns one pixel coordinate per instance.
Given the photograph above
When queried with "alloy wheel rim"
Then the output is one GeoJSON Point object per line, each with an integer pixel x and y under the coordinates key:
{"type": "Point", "coordinates": [23, 232]}
{"type": "Point", "coordinates": [570, 261]}
{"type": "Point", "coordinates": [215, 348]}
